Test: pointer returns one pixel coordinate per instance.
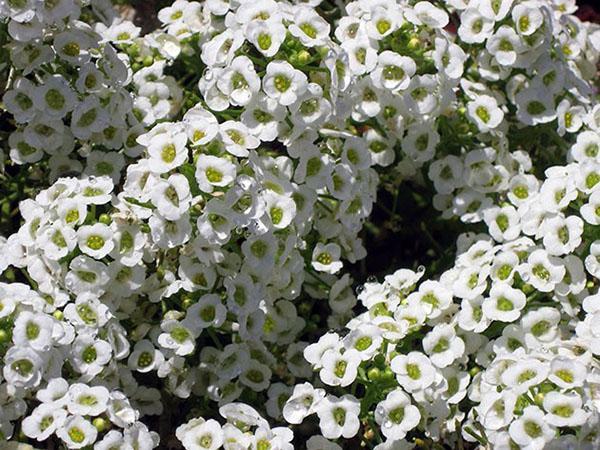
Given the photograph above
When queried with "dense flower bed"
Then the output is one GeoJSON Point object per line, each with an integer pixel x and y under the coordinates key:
{"type": "Point", "coordinates": [184, 214]}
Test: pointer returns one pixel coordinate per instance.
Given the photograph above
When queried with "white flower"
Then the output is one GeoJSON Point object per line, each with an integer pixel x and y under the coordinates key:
{"type": "Point", "coordinates": [214, 171]}
{"type": "Point", "coordinates": [284, 83]}
{"type": "Point", "coordinates": [309, 27]}
{"type": "Point", "coordinates": [474, 27]}
{"type": "Point", "coordinates": [237, 139]}
{"type": "Point", "coordinates": [504, 303]}
{"type": "Point", "coordinates": [564, 410]}
{"type": "Point", "coordinates": [206, 435]}
{"type": "Point", "coordinates": [33, 329]}
{"type": "Point", "coordinates": [302, 402]}
{"type": "Point", "coordinates": [54, 97]}
{"type": "Point", "coordinates": [338, 416]}
{"type": "Point", "coordinates": [542, 271]}
{"type": "Point", "coordinates": [567, 373]}
{"type": "Point", "coordinates": [424, 13]}
{"type": "Point", "coordinates": [208, 311]}
{"type": "Point", "coordinates": [531, 429]}
{"type": "Point", "coordinates": [87, 401]}
{"type": "Point", "coordinates": [95, 240]}
{"type": "Point", "coordinates": [267, 36]}
{"type": "Point", "coordinates": [172, 196]}
{"type": "Point", "coordinates": [43, 421]}
{"type": "Point", "coordinates": [144, 357]}
{"type": "Point", "coordinates": [414, 371]}
{"type": "Point", "coordinates": [562, 235]}
{"type": "Point", "coordinates": [167, 151]}
{"type": "Point", "coordinates": [393, 71]}
{"type": "Point", "coordinates": [326, 257]}
{"type": "Point", "coordinates": [77, 432]}
{"type": "Point", "coordinates": [239, 81]}
{"type": "Point", "coordinates": [524, 374]}
{"type": "Point", "coordinates": [484, 111]}
{"type": "Point", "coordinates": [541, 325]}
{"type": "Point", "coordinates": [442, 345]}
{"type": "Point", "coordinates": [396, 415]}
{"type": "Point", "coordinates": [177, 337]}
{"type": "Point", "coordinates": [339, 369]}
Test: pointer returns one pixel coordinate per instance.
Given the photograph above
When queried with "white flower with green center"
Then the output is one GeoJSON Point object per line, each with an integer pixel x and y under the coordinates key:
{"type": "Point", "coordinates": [88, 118]}
{"type": "Point", "coordinates": [567, 373]}
{"type": "Point", "coordinates": [208, 311]}
{"type": "Point", "coordinates": [56, 240]}
{"type": "Point", "coordinates": [302, 402]}
{"type": "Point", "coordinates": [86, 275]}
{"type": "Point", "coordinates": [22, 367]}
{"type": "Point", "coordinates": [239, 81]}
{"type": "Point", "coordinates": [362, 56]}
{"type": "Point", "coordinates": [284, 83]}
{"type": "Point", "coordinates": [237, 139]}
{"type": "Point", "coordinates": [534, 106]}
{"type": "Point", "coordinates": [95, 190]}
{"type": "Point", "coordinates": [54, 97]}
{"type": "Point", "coordinates": [77, 432]}
{"type": "Point", "coordinates": [19, 101]}
{"type": "Point", "coordinates": [541, 325]}
{"type": "Point", "coordinates": [95, 240]}
{"type": "Point", "coordinates": [167, 151]}
{"type": "Point", "coordinates": [144, 357]}
{"type": "Point", "coordinates": [266, 36]}
{"type": "Point", "coordinates": [443, 345]}
{"type": "Point", "coordinates": [531, 429]}
{"type": "Point", "coordinates": [433, 297]}
{"type": "Point", "coordinates": [524, 374]}
{"type": "Point", "coordinates": [172, 196]}
{"type": "Point", "coordinates": [562, 235]}
{"type": "Point", "coordinates": [87, 312]}
{"type": "Point", "coordinates": [43, 421]}
{"type": "Point", "coordinates": [34, 330]}
{"type": "Point", "coordinates": [485, 112]}
{"type": "Point", "coordinates": [177, 337]}
{"type": "Point", "coordinates": [503, 223]}
{"type": "Point", "coordinates": [338, 416]}
{"type": "Point", "coordinates": [206, 435]}
{"type": "Point", "coordinates": [587, 146]}
{"type": "Point", "coordinates": [256, 376]}
{"type": "Point", "coordinates": [90, 355]}
{"type": "Point", "coordinates": [310, 28]}
{"type": "Point", "coordinates": [505, 45]}
{"type": "Point", "coordinates": [564, 409]}
{"type": "Point", "coordinates": [396, 415]}
{"type": "Point", "coordinates": [474, 27]}
{"type": "Point", "coordinates": [496, 408]}
{"type": "Point", "coordinates": [366, 340]}
{"type": "Point", "coordinates": [201, 125]}
{"type": "Point", "coordinates": [213, 171]}
{"type": "Point", "coordinates": [87, 401]}
{"type": "Point", "coordinates": [393, 71]}
{"type": "Point", "coordinates": [414, 371]}
{"type": "Point", "coordinates": [425, 13]}
{"type": "Point", "coordinates": [326, 257]}
{"type": "Point", "coordinates": [384, 20]}
{"type": "Point", "coordinates": [339, 369]}
{"type": "Point", "coordinates": [106, 164]}
{"type": "Point", "coordinates": [504, 303]}
{"type": "Point", "coordinates": [570, 117]}
{"type": "Point", "coordinates": [280, 209]}
{"type": "Point", "coordinates": [129, 244]}
{"type": "Point", "coordinates": [216, 222]}
{"type": "Point", "coordinates": [542, 271]}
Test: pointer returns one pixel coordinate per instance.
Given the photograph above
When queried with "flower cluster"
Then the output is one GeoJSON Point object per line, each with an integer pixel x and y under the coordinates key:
{"type": "Point", "coordinates": [193, 203]}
